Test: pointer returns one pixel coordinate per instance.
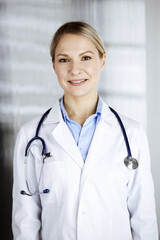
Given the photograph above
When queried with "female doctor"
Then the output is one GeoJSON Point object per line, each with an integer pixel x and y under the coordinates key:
{"type": "Point", "coordinates": [73, 183]}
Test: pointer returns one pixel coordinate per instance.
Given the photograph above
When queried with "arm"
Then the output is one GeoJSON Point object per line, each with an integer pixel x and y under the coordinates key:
{"type": "Point", "coordinates": [141, 203]}
{"type": "Point", "coordinates": [26, 210]}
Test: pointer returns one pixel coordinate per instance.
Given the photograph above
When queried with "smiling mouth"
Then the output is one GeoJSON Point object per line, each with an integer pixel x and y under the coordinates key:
{"type": "Point", "coordinates": [77, 82]}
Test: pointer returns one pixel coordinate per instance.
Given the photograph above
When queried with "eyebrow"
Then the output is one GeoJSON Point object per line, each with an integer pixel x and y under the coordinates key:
{"type": "Point", "coordinates": [66, 55]}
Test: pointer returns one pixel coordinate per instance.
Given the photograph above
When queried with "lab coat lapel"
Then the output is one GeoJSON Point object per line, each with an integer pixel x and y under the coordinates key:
{"type": "Point", "coordinates": [64, 137]}
{"type": "Point", "coordinates": [104, 132]}
{"type": "Point", "coordinates": [62, 134]}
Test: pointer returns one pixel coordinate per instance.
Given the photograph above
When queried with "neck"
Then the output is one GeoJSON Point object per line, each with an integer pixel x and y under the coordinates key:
{"type": "Point", "coordinates": [80, 108]}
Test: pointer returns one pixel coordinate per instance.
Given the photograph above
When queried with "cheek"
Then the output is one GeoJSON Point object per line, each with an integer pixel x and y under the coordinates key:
{"type": "Point", "coordinates": [60, 72]}
{"type": "Point", "coordinates": [94, 71]}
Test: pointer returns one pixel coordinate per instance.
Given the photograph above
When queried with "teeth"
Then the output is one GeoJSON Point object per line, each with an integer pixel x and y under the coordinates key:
{"type": "Point", "coordinates": [77, 81]}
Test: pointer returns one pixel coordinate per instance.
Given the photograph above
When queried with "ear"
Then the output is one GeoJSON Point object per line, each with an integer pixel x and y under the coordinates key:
{"type": "Point", "coordinates": [53, 66]}
{"type": "Point", "coordinates": [103, 61]}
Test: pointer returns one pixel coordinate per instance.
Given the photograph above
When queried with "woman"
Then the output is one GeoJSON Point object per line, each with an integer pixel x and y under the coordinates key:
{"type": "Point", "coordinates": [85, 191]}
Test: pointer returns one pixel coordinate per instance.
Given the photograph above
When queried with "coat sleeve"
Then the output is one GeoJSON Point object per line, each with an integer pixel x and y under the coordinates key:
{"type": "Point", "coordinates": [26, 210]}
{"type": "Point", "coordinates": [141, 202]}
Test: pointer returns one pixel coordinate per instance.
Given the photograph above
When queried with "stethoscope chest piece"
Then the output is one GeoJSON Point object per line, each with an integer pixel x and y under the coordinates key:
{"type": "Point", "coordinates": [131, 162]}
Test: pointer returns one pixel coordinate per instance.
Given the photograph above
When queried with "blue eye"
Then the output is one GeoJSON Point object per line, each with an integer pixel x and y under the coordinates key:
{"type": "Point", "coordinates": [63, 60]}
{"type": "Point", "coordinates": [86, 58]}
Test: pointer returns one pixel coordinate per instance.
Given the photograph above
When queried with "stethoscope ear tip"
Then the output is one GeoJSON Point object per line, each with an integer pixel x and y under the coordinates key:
{"type": "Point", "coordinates": [22, 192]}
{"type": "Point", "coordinates": [46, 191]}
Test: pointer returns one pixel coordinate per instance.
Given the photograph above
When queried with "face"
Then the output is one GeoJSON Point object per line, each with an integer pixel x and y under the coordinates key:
{"type": "Point", "coordinates": [77, 65]}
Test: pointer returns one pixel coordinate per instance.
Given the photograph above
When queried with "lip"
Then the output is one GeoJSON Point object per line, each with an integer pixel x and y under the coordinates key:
{"type": "Point", "coordinates": [77, 82]}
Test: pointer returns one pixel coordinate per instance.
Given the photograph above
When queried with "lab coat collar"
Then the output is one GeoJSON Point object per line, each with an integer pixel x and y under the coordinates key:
{"type": "Point", "coordinates": [55, 115]}
{"type": "Point", "coordinates": [104, 132]}
{"type": "Point", "coordinates": [63, 136]}
{"type": "Point", "coordinates": [107, 116]}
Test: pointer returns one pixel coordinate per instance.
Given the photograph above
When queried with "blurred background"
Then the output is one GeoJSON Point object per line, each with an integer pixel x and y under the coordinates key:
{"type": "Point", "coordinates": [28, 86]}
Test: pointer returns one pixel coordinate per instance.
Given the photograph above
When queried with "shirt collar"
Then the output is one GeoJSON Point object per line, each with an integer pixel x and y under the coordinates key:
{"type": "Point", "coordinates": [56, 116]}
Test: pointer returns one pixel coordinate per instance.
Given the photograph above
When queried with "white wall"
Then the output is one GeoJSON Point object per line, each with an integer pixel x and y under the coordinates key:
{"type": "Point", "coordinates": [153, 90]}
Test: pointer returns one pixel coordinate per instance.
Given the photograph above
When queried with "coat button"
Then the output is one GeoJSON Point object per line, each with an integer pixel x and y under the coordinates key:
{"type": "Point", "coordinates": [84, 213]}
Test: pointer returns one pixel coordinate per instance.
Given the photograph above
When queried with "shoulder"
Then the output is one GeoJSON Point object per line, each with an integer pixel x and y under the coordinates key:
{"type": "Point", "coordinates": [110, 116]}
{"type": "Point", "coordinates": [132, 127]}
{"type": "Point", "coordinates": [135, 131]}
{"type": "Point", "coordinates": [129, 122]}
{"type": "Point", "coordinates": [53, 116]}
{"type": "Point", "coordinates": [28, 129]}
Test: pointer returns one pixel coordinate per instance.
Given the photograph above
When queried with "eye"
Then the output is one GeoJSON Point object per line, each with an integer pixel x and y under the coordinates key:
{"type": "Point", "coordinates": [86, 58]}
{"type": "Point", "coordinates": [63, 60]}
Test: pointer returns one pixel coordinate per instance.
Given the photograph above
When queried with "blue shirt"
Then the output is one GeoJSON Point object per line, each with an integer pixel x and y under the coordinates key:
{"type": "Point", "coordinates": [83, 135]}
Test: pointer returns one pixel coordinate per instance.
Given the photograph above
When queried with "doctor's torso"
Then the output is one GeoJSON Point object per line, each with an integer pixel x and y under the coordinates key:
{"type": "Point", "coordinates": [86, 200]}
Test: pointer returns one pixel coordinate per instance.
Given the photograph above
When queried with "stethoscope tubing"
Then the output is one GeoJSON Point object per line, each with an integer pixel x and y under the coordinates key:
{"type": "Point", "coordinates": [123, 132]}
{"type": "Point", "coordinates": [36, 137]}
{"type": "Point", "coordinates": [129, 161]}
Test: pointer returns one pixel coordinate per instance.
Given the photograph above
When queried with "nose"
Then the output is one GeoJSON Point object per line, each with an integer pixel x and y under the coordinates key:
{"type": "Point", "coordinates": [74, 68]}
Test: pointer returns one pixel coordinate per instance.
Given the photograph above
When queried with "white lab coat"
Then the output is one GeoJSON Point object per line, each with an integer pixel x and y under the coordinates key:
{"type": "Point", "coordinates": [99, 200]}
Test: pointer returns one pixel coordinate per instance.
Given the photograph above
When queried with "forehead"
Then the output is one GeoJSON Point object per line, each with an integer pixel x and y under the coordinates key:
{"type": "Point", "coordinates": [75, 42]}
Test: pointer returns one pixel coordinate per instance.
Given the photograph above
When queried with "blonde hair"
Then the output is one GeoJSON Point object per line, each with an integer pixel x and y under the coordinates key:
{"type": "Point", "coordinates": [77, 27]}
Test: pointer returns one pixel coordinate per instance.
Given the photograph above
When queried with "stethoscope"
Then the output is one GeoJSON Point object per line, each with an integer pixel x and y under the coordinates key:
{"type": "Point", "coordinates": [129, 161]}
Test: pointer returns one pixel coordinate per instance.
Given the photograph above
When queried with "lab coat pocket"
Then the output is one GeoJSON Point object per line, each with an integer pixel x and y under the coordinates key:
{"type": "Point", "coordinates": [50, 160]}
{"type": "Point", "coordinates": [54, 179]}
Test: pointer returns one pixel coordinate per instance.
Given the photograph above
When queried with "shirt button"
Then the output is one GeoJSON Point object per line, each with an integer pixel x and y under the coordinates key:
{"type": "Point", "coordinates": [81, 149]}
